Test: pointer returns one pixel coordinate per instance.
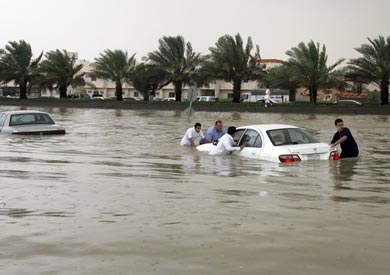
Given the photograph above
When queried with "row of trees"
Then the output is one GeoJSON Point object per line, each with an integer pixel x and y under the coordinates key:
{"type": "Point", "coordinates": [176, 62]}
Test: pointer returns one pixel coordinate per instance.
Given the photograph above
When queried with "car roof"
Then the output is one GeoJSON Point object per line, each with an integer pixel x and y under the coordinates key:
{"type": "Point", "coordinates": [266, 127]}
{"type": "Point", "coordinates": [23, 112]}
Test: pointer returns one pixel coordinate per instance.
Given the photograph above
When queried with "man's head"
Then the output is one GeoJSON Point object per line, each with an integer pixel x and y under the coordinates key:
{"type": "Point", "coordinates": [231, 130]}
{"type": "Point", "coordinates": [218, 126]}
{"type": "Point", "coordinates": [339, 124]}
{"type": "Point", "coordinates": [198, 127]}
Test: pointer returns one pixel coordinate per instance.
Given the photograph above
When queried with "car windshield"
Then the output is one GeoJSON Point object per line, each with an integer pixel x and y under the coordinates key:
{"type": "Point", "coordinates": [290, 136]}
{"type": "Point", "coordinates": [29, 119]}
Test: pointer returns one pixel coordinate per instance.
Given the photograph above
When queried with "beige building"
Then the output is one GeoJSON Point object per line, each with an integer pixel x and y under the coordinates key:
{"type": "Point", "coordinates": [101, 86]}
{"type": "Point", "coordinates": [218, 88]}
{"type": "Point", "coordinates": [222, 89]}
{"type": "Point", "coordinates": [270, 63]}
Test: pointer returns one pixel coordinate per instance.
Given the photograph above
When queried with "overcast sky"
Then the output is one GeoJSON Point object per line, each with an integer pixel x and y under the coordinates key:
{"type": "Point", "coordinates": [91, 26]}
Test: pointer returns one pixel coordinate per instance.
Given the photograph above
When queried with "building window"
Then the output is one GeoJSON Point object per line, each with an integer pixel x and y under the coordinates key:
{"type": "Point", "coordinates": [136, 94]}
{"type": "Point", "coordinates": [230, 95]}
{"type": "Point", "coordinates": [171, 95]}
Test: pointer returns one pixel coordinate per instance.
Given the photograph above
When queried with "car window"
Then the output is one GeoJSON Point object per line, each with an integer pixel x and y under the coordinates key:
{"type": "Point", "coordinates": [237, 135]}
{"type": "Point", "coordinates": [252, 139]}
{"type": "Point", "coordinates": [25, 119]}
{"type": "Point", "coordinates": [276, 136]}
{"type": "Point", "coordinates": [290, 136]}
{"type": "Point", "coordinates": [297, 137]}
{"type": "Point", "coordinates": [300, 136]}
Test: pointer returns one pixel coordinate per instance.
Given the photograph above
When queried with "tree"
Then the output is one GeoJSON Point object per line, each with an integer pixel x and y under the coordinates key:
{"type": "Point", "coordinates": [177, 61]}
{"type": "Point", "coordinates": [59, 71]}
{"type": "Point", "coordinates": [374, 65]}
{"type": "Point", "coordinates": [233, 63]}
{"type": "Point", "coordinates": [1, 69]}
{"type": "Point", "coordinates": [17, 64]}
{"type": "Point", "coordinates": [307, 65]}
{"type": "Point", "coordinates": [116, 66]}
{"type": "Point", "coordinates": [280, 77]}
{"type": "Point", "coordinates": [146, 79]}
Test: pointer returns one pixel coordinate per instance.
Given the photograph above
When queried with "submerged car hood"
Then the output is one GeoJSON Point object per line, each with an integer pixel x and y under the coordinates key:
{"type": "Point", "coordinates": [205, 147]}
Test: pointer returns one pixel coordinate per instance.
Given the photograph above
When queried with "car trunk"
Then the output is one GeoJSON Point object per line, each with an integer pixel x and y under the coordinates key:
{"type": "Point", "coordinates": [41, 130]}
{"type": "Point", "coordinates": [310, 151]}
{"type": "Point", "coordinates": [47, 132]}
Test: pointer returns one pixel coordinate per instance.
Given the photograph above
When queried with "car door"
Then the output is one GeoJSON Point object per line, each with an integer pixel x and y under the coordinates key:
{"type": "Point", "coordinates": [253, 144]}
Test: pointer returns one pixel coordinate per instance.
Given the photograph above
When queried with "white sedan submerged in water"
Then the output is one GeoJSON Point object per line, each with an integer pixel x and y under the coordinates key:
{"type": "Point", "coordinates": [29, 123]}
{"type": "Point", "coordinates": [279, 143]}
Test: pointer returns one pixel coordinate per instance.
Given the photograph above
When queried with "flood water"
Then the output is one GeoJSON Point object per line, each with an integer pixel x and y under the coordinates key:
{"type": "Point", "coordinates": [118, 195]}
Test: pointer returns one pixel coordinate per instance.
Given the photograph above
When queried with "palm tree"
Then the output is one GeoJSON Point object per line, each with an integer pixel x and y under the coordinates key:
{"type": "Point", "coordinates": [280, 77]}
{"type": "Point", "coordinates": [374, 65]}
{"type": "Point", "coordinates": [177, 61]}
{"type": "Point", "coordinates": [17, 64]}
{"type": "Point", "coordinates": [146, 79]}
{"type": "Point", "coordinates": [59, 71]}
{"type": "Point", "coordinates": [307, 64]}
{"type": "Point", "coordinates": [234, 63]}
{"type": "Point", "coordinates": [116, 66]}
{"type": "Point", "coordinates": [1, 74]}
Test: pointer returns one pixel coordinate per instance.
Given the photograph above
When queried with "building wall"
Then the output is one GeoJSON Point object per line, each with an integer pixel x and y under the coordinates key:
{"type": "Point", "coordinates": [218, 88]}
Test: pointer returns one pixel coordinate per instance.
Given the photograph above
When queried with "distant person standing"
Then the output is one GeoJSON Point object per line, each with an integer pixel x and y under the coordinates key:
{"type": "Point", "coordinates": [343, 136]}
{"type": "Point", "coordinates": [267, 98]}
{"type": "Point", "coordinates": [192, 134]}
{"type": "Point", "coordinates": [226, 144]}
{"type": "Point", "coordinates": [152, 94]}
{"type": "Point", "coordinates": [215, 132]}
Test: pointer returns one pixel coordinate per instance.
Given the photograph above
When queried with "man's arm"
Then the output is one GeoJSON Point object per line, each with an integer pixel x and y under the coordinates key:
{"type": "Point", "coordinates": [339, 141]}
{"type": "Point", "coordinates": [191, 140]}
{"type": "Point", "coordinates": [230, 147]}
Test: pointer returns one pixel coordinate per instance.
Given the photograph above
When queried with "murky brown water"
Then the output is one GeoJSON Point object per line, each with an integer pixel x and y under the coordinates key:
{"type": "Point", "coordinates": [118, 195]}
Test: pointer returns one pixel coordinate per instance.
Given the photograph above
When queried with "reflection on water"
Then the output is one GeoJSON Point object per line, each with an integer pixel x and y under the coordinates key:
{"type": "Point", "coordinates": [117, 194]}
{"type": "Point", "coordinates": [343, 170]}
{"type": "Point", "coordinates": [22, 213]}
{"type": "Point", "coordinates": [227, 165]}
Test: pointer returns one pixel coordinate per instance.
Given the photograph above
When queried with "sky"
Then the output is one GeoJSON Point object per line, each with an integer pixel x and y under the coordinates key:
{"type": "Point", "coordinates": [89, 27]}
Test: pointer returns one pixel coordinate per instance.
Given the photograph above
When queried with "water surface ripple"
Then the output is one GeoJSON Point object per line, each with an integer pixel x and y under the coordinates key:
{"type": "Point", "coordinates": [118, 195]}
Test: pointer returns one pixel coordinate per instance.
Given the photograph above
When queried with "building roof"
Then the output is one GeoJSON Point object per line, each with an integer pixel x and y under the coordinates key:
{"type": "Point", "coordinates": [271, 60]}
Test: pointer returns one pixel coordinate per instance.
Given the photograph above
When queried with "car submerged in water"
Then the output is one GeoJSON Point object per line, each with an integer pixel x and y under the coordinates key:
{"type": "Point", "coordinates": [278, 143]}
{"type": "Point", "coordinates": [29, 123]}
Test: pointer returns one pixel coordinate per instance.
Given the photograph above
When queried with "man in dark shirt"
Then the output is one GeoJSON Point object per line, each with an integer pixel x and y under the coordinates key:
{"type": "Point", "coordinates": [344, 137]}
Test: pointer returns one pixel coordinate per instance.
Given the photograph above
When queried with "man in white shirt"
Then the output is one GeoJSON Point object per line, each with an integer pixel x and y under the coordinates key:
{"type": "Point", "coordinates": [226, 144]}
{"type": "Point", "coordinates": [191, 135]}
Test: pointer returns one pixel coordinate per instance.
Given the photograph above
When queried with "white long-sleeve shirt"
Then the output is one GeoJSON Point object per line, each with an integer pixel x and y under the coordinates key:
{"type": "Point", "coordinates": [225, 146]}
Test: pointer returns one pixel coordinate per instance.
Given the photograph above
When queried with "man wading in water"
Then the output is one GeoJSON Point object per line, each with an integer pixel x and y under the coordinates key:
{"type": "Point", "coordinates": [343, 136]}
